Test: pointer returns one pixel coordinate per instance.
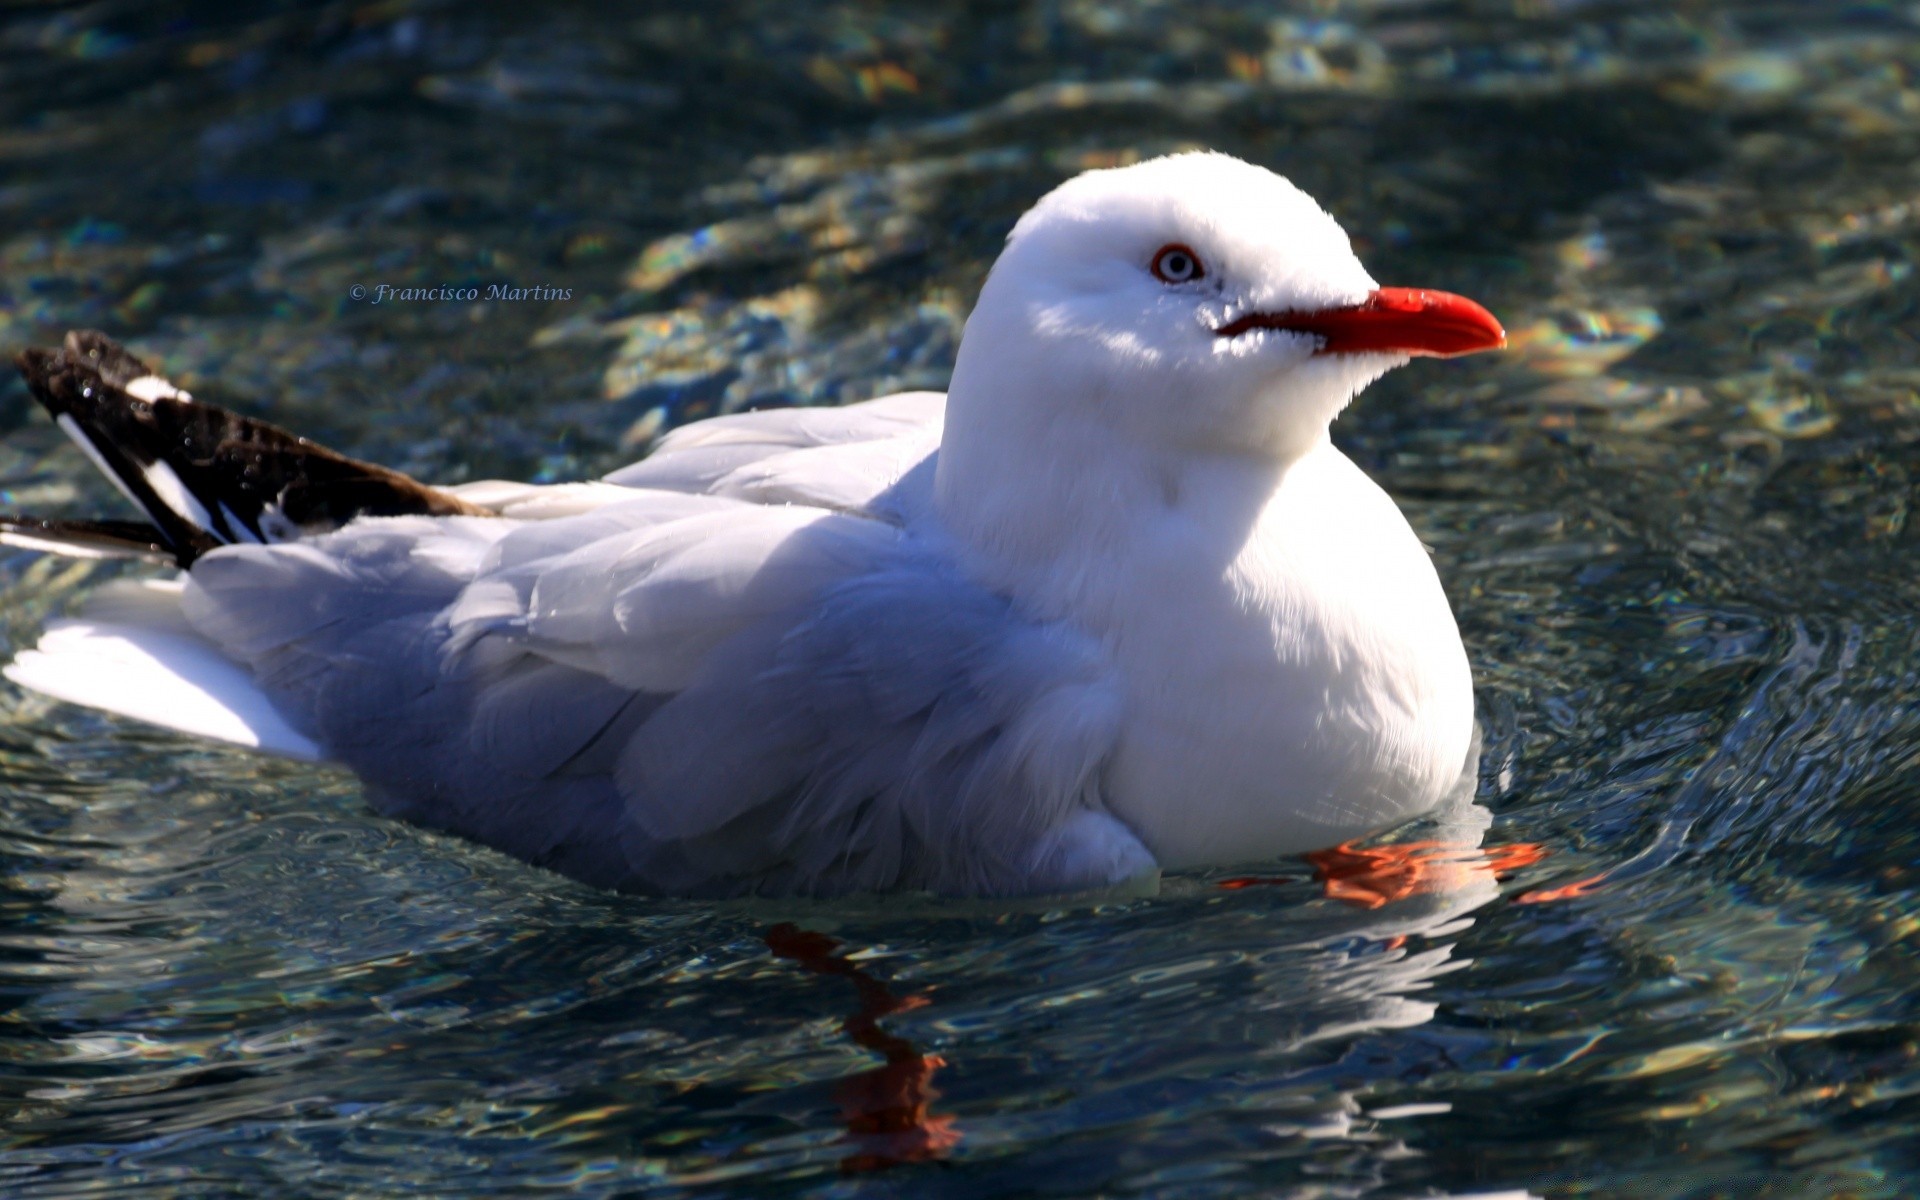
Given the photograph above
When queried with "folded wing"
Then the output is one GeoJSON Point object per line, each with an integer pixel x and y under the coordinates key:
{"type": "Point", "coordinates": [730, 668]}
{"type": "Point", "coordinates": [873, 458]}
{"type": "Point", "coordinates": [689, 695]}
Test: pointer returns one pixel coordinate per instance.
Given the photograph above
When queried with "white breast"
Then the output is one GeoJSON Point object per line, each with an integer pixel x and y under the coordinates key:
{"type": "Point", "coordinates": [1312, 691]}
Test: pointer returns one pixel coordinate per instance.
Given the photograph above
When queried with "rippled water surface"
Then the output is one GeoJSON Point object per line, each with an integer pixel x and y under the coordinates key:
{"type": "Point", "coordinates": [1674, 521]}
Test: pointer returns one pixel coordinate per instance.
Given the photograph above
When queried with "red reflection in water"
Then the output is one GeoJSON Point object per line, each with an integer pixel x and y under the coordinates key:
{"type": "Point", "coordinates": [885, 1109]}
{"type": "Point", "coordinates": [1375, 876]}
{"type": "Point", "coordinates": [1571, 891]}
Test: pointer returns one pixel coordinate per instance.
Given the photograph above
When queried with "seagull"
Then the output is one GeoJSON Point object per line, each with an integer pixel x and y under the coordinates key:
{"type": "Point", "coordinates": [1111, 606]}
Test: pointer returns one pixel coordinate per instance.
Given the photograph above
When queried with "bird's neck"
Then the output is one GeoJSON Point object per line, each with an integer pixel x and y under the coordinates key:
{"type": "Point", "coordinates": [1057, 508]}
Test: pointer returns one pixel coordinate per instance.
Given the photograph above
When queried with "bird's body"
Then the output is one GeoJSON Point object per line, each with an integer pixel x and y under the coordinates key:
{"type": "Point", "coordinates": [1116, 604]}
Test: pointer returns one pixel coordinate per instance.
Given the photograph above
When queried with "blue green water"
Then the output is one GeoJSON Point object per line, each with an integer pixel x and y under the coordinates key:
{"type": "Point", "coordinates": [1674, 521]}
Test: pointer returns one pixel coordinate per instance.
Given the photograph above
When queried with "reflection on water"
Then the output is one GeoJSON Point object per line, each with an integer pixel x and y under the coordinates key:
{"type": "Point", "coordinates": [1674, 522]}
{"type": "Point", "coordinates": [886, 1110]}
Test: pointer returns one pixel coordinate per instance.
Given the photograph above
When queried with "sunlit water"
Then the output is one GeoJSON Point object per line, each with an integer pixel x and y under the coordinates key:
{"type": "Point", "coordinates": [1674, 521]}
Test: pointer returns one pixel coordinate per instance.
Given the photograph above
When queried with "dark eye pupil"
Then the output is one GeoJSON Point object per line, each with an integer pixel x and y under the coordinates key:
{"type": "Point", "coordinates": [1176, 264]}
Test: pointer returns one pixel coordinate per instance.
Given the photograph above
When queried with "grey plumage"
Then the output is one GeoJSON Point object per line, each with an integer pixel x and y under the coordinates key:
{"type": "Point", "coordinates": [688, 695]}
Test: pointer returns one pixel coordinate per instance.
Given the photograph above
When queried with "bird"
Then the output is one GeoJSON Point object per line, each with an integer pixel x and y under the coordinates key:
{"type": "Point", "coordinates": [1113, 605]}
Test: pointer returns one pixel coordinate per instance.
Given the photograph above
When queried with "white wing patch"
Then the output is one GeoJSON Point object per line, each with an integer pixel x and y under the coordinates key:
{"type": "Point", "coordinates": [174, 494]}
{"type": "Point", "coordinates": [22, 540]}
{"type": "Point", "coordinates": [240, 531]}
{"type": "Point", "coordinates": [78, 436]}
{"type": "Point", "coordinates": [152, 387]}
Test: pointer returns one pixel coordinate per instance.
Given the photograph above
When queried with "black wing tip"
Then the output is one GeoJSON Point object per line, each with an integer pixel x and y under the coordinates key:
{"type": "Point", "coordinates": [84, 353]}
{"type": "Point", "coordinates": [47, 374]}
{"type": "Point", "coordinates": [204, 475]}
{"type": "Point", "coordinates": [113, 362]}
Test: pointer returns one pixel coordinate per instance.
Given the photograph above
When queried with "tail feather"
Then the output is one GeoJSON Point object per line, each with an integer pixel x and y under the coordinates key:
{"type": "Point", "coordinates": [131, 651]}
{"type": "Point", "coordinates": [204, 476]}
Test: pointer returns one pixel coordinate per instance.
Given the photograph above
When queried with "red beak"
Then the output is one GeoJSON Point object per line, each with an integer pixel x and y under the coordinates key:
{"type": "Point", "coordinates": [1391, 321]}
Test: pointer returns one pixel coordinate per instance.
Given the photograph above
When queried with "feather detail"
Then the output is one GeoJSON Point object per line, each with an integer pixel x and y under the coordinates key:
{"type": "Point", "coordinates": [205, 476]}
{"type": "Point", "coordinates": [85, 539]}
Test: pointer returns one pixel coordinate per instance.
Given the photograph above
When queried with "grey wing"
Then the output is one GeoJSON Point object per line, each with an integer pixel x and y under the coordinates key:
{"type": "Point", "coordinates": [858, 459]}
{"type": "Point", "coordinates": [848, 459]}
{"type": "Point", "coordinates": [690, 694]}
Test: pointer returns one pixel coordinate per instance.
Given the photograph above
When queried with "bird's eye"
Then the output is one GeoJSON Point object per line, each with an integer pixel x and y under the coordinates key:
{"type": "Point", "coordinates": [1177, 264]}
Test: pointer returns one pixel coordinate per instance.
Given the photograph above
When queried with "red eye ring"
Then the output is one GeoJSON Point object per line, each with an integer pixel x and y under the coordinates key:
{"type": "Point", "coordinates": [1176, 262]}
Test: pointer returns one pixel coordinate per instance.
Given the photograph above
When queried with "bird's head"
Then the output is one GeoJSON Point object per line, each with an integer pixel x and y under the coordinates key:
{"type": "Point", "coordinates": [1195, 301]}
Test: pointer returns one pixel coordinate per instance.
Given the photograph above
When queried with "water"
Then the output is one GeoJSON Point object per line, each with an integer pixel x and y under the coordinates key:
{"type": "Point", "coordinates": [1674, 523]}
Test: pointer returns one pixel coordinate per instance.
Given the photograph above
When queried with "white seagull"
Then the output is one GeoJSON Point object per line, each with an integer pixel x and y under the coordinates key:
{"type": "Point", "coordinates": [1112, 605]}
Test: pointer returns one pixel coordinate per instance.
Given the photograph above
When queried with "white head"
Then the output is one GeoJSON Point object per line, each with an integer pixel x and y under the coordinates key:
{"type": "Point", "coordinates": [1190, 303]}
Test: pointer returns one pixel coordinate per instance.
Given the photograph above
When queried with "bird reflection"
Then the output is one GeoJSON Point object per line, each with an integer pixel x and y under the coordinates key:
{"type": "Point", "coordinates": [885, 1110]}
{"type": "Point", "coordinates": [1375, 876]}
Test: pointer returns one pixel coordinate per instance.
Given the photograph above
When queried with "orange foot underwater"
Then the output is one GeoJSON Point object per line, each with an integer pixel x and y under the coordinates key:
{"type": "Point", "coordinates": [1374, 876]}
{"type": "Point", "coordinates": [885, 1110]}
